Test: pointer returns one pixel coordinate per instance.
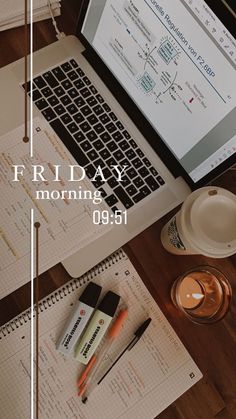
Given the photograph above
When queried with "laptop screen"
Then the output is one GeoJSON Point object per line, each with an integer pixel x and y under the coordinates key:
{"type": "Point", "coordinates": [177, 61]}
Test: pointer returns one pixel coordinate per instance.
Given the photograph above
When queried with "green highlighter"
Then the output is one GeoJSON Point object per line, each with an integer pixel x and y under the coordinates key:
{"type": "Point", "coordinates": [97, 327]}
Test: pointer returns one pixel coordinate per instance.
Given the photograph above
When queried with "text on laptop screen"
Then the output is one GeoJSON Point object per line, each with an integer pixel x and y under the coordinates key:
{"type": "Point", "coordinates": [176, 60]}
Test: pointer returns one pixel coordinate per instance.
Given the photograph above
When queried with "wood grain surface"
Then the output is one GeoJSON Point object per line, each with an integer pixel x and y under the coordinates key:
{"type": "Point", "coordinates": [212, 347]}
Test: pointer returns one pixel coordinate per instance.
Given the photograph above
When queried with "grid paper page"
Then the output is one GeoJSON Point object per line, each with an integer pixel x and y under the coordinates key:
{"type": "Point", "coordinates": [144, 382]}
{"type": "Point", "coordinates": [66, 225]}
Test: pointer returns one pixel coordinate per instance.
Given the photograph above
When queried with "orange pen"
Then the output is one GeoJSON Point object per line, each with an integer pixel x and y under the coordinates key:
{"type": "Point", "coordinates": [87, 381]}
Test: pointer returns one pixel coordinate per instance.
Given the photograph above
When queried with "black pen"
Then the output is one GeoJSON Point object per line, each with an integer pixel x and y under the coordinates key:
{"type": "Point", "coordinates": [137, 335]}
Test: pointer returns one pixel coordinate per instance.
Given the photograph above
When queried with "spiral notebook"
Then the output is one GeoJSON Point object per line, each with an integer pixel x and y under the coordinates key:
{"type": "Point", "coordinates": [144, 382]}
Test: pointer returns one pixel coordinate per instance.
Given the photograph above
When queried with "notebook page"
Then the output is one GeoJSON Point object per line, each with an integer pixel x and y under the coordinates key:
{"type": "Point", "coordinates": [66, 225]}
{"type": "Point", "coordinates": [144, 382]}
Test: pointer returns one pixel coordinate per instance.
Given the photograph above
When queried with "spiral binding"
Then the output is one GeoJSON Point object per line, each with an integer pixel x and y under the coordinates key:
{"type": "Point", "coordinates": [61, 292]}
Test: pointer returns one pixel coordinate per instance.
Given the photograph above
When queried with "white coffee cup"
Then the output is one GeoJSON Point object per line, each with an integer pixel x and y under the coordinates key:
{"type": "Point", "coordinates": [205, 224]}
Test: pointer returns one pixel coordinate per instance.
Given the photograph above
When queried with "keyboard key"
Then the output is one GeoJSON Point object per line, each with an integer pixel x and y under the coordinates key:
{"type": "Point", "coordinates": [66, 67]}
{"type": "Point", "coordinates": [46, 91]}
{"type": "Point", "coordinates": [59, 74]}
{"type": "Point", "coordinates": [111, 162]}
{"type": "Point", "coordinates": [86, 80]}
{"type": "Point", "coordinates": [49, 114]}
{"type": "Point", "coordinates": [78, 118]}
{"type": "Point", "coordinates": [67, 84]}
{"type": "Point", "coordinates": [115, 209]}
{"type": "Point", "coordinates": [69, 142]}
{"type": "Point", "coordinates": [160, 180]}
{"type": "Point", "coordinates": [99, 128]}
{"type": "Point", "coordinates": [117, 136]}
{"type": "Point", "coordinates": [132, 173]}
{"type": "Point", "coordinates": [134, 145]}
{"type": "Point", "coordinates": [123, 197]}
{"type": "Point", "coordinates": [111, 200]}
{"type": "Point", "coordinates": [153, 171]}
{"type": "Point", "coordinates": [72, 75]}
{"type": "Point", "coordinates": [120, 126]}
{"type": "Point", "coordinates": [73, 93]}
{"type": "Point", "coordinates": [93, 89]}
{"type": "Point", "coordinates": [93, 155]}
{"type": "Point", "coordinates": [59, 109]}
{"type": "Point", "coordinates": [41, 104]}
{"type": "Point", "coordinates": [113, 116]}
{"type": "Point", "coordinates": [100, 98]}
{"type": "Point", "coordinates": [137, 163]}
{"type": "Point", "coordinates": [105, 137]}
{"type": "Point", "coordinates": [103, 193]}
{"type": "Point", "coordinates": [72, 127]}
{"type": "Point", "coordinates": [104, 118]}
{"type": "Point", "coordinates": [86, 146]}
{"type": "Point", "coordinates": [73, 63]}
{"type": "Point", "coordinates": [36, 95]}
{"type": "Point", "coordinates": [53, 101]}
{"type": "Point", "coordinates": [90, 170]}
{"type": "Point", "coordinates": [127, 135]}
{"type": "Point", "coordinates": [50, 79]}
{"type": "Point", "coordinates": [66, 100]}
{"type": "Point", "coordinates": [146, 162]}
{"type": "Point", "coordinates": [151, 182]}
{"type": "Point", "coordinates": [112, 146]}
{"type": "Point", "coordinates": [98, 145]}
{"type": "Point", "coordinates": [91, 101]}
{"type": "Point", "coordinates": [145, 191]}
{"type": "Point", "coordinates": [79, 136]}
{"type": "Point", "coordinates": [105, 154]}
{"type": "Point", "coordinates": [139, 152]}
{"type": "Point", "coordinates": [126, 163]}
{"type": "Point", "coordinates": [130, 154]}
{"type": "Point", "coordinates": [125, 181]}
{"type": "Point", "coordinates": [72, 109]}
{"type": "Point", "coordinates": [86, 110]}
{"type": "Point", "coordinates": [141, 195]}
{"type": "Point", "coordinates": [66, 118]}
{"type": "Point", "coordinates": [143, 171]}
{"type": "Point", "coordinates": [85, 127]}
{"type": "Point", "coordinates": [85, 92]}
{"type": "Point", "coordinates": [111, 127]}
{"type": "Point", "coordinates": [131, 190]}
{"type": "Point", "coordinates": [138, 181]}
{"type": "Point", "coordinates": [98, 110]}
{"type": "Point", "coordinates": [80, 72]}
{"type": "Point", "coordinates": [118, 155]}
{"type": "Point", "coordinates": [106, 107]}
{"type": "Point", "coordinates": [92, 119]}
{"type": "Point", "coordinates": [79, 84]}
{"type": "Point", "coordinates": [106, 172]}
{"type": "Point", "coordinates": [124, 145]}
{"type": "Point", "coordinates": [79, 101]}
{"type": "Point", "coordinates": [98, 183]}
{"type": "Point", "coordinates": [112, 182]}
{"type": "Point", "coordinates": [91, 135]}
{"type": "Point", "coordinates": [40, 82]}
{"type": "Point", "coordinates": [99, 162]}
{"type": "Point", "coordinates": [59, 91]}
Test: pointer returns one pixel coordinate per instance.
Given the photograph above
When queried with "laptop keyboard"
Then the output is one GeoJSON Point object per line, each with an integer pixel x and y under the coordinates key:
{"type": "Point", "coordinates": [94, 135]}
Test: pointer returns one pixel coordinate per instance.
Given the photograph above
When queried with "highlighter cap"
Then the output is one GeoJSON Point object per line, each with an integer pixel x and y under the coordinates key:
{"type": "Point", "coordinates": [109, 303]}
{"type": "Point", "coordinates": [91, 294]}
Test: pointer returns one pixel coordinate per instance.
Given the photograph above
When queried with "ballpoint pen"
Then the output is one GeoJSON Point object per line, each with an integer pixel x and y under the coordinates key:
{"type": "Point", "coordinates": [86, 382]}
{"type": "Point", "coordinates": [137, 335]}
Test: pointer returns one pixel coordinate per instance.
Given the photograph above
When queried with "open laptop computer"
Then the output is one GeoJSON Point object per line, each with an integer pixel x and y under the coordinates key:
{"type": "Point", "coordinates": [145, 84]}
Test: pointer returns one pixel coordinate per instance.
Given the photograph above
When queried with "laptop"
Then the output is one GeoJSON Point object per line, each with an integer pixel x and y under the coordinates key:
{"type": "Point", "coordinates": [144, 84]}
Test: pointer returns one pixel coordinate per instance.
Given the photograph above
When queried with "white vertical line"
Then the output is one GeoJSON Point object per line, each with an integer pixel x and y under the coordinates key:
{"type": "Point", "coordinates": [31, 78]}
{"type": "Point", "coordinates": [32, 312]}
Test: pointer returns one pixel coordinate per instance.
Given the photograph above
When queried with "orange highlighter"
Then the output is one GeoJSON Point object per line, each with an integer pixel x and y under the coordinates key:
{"type": "Point", "coordinates": [87, 382]}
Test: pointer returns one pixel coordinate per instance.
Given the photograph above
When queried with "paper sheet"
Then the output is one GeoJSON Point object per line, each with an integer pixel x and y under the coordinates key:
{"type": "Point", "coordinates": [144, 382]}
{"type": "Point", "coordinates": [66, 225]}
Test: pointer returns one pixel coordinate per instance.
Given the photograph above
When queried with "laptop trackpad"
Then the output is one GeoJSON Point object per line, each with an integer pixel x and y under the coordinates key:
{"type": "Point", "coordinates": [154, 208]}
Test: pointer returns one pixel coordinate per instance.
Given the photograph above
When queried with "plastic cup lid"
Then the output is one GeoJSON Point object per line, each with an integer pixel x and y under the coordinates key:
{"type": "Point", "coordinates": [213, 221]}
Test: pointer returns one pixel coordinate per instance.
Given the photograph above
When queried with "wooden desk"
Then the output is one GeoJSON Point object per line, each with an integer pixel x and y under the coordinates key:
{"type": "Point", "coordinates": [212, 347]}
